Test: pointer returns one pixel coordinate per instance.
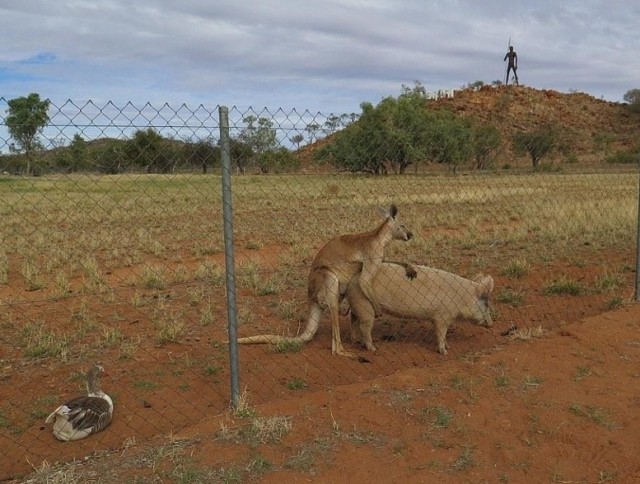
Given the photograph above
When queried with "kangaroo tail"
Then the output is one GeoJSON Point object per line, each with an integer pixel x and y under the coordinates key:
{"type": "Point", "coordinates": [270, 338]}
{"type": "Point", "coordinates": [315, 312]}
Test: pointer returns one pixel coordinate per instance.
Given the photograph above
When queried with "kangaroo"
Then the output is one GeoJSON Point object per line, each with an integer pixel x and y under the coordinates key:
{"type": "Point", "coordinates": [432, 294]}
{"type": "Point", "coordinates": [335, 265]}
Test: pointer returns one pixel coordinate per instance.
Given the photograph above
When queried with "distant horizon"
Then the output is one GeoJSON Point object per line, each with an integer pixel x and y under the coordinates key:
{"type": "Point", "coordinates": [189, 124]}
{"type": "Point", "coordinates": [300, 109]}
{"type": "Point", "coordinates": [116, 122]}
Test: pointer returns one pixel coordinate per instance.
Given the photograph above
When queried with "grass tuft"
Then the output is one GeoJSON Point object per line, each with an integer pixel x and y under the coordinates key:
{"type": "Point", "coordinates": [600, 416]}
{"type": "Point", "coordinates": [297, 384]}
{"type": "Point", "coordinates": [615, 303]}
{"type": "Point", "coordinates": [169, 328]}
{"type": "Point", "coordinates": [39, 342]}
{"type": "Point", "coordinates": [608, 282]}
{"type": "Point", "coordinates": [510, 296]}
{"type": "Point", "coordinates": [261, 430]}
{"type": "Point", "coordinates": [153, 277]}
{"type": "Point", "coordinates": [465, 461]}
{"type": "Point", "coordinates": [516, 269]}
{"type": "Point", "coordinates": [438, 416]}
{"type": "Point", "coordinates": [32, 276]}
{"type": "Point", "coordinates": [562, 286]}
{"type": "Point", "coordinates": [288, 346]}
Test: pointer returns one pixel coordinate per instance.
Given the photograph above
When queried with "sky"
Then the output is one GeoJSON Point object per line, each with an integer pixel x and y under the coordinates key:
{"type": "Point", "coordinates": [326, 56]}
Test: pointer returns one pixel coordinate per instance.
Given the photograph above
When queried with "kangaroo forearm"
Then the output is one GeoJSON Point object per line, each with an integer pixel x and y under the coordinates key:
{"type": "Point", "coordinates": [409, 268]}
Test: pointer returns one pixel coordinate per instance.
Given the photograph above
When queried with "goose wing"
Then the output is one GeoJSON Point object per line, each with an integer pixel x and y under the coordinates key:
{"type": "Point", "coordinates": [87, 412]}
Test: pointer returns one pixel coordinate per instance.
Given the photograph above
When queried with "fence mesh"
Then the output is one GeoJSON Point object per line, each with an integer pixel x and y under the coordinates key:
{"type": "Point", "coordinates": [112, 250]}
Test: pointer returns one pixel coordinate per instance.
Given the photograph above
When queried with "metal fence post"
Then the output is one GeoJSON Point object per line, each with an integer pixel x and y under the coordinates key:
{"type": "Point", "coordinates": [227, 211]}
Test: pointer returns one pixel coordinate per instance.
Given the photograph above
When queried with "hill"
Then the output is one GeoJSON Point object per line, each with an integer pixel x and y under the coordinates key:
{"type": "Point", "coordinates": [591, 128]}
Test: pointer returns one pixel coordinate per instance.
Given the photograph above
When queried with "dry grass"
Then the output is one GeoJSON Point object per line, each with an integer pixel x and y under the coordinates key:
{"type": "Point", "coordinates": [38, 342]}
{"type": "Point", "coordinates": [457, 213]}
{"type": "Point", "coordinates": [4, 267]}
{"type": "Point", "coordinates": [527, 333]}
{"type": "Point", "coordinates": [87, 234]}
{"type": "Point", "coordinates": [169, 327]}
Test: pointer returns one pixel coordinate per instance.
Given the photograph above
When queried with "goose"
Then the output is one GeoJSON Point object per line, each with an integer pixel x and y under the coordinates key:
{"type": "Point", "coordinates": [85, 415]}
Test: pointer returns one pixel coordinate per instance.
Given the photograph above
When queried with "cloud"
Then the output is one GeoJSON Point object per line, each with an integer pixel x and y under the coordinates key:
{"type": "Point", "coordinates": [329, 56]}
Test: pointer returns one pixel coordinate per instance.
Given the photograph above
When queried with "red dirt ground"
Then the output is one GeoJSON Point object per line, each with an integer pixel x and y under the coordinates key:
{"type": "Point", "coordinates": [560, 407]}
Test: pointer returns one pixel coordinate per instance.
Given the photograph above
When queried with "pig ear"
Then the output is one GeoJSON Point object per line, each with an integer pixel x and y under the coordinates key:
{"type": "Point", "coordinates": [485, 286]}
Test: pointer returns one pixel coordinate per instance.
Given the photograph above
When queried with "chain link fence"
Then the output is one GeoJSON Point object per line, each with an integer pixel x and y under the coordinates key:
{"type": "Point", "coordinates": [113, 250]}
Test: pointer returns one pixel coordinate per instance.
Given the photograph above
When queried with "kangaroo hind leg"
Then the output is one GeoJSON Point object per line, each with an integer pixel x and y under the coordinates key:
{"type": "Point", "coordinates": [328, 296]}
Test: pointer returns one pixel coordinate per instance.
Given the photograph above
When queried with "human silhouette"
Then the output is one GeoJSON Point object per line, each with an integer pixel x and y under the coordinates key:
{"type": "Point", "coordinates": [513, 65]}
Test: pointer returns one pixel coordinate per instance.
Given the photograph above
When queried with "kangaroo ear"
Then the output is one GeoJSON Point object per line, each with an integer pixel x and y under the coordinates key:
{"type": "Point", "coordinates": [392, 212]}
{"type": "Point", "coordinates": [485, 286]}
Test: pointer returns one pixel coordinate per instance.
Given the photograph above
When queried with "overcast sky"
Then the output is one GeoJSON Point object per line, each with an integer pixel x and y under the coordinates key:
{"type": "Point", "coordinates": [326, 56]}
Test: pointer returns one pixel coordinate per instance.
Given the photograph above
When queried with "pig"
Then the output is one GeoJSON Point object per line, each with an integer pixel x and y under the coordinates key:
{"type": "Point", "coordinates": [431, 294]}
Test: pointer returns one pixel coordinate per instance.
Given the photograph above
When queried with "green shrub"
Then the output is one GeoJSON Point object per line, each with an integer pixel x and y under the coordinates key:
{"type": "Point", "coordinates": [627, 157]}
{"type": "Point", "coordinates": [537, 143]}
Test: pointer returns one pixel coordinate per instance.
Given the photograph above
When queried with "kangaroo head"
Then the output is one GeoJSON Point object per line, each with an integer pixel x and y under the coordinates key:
{"type": "Point", "coordinates": [398, 230]}
{"type": "Point", "coordinates": [481, 310]}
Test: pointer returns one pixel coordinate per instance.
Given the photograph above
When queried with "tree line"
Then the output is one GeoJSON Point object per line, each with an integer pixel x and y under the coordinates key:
{"type": "Point", "coordinates": [397, 133]}
{"type": "Point", "coordinates": [255, 146]}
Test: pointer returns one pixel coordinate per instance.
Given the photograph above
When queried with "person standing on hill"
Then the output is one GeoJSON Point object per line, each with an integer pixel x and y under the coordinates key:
{"type": "Point", "coordinates": [513, 65]}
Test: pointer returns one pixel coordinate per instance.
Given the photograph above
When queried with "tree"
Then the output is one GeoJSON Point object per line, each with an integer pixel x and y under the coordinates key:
{"type": "Point", "coordinates": [241, 154]}
{"type": "Point", "coordinates": [364, 145]}
{"type": "Point", "coordinates": [632, 96]}
{"type": "Point", "coordinates": [78, 148]}
{"type": "Point", "coordinates": [204, 153]}
{"type": "Point", "coordinates": [148, 149]}
{"type": "Point", "coordinates": [438, 136]}
{"type": "Point", "coordinates": [348, 118]}
{"type": "Point", "coordinates": [278, 160]}
{"type": "Point", "coordinates": [536, 144]}
{"type": "Point", "coordinates": [27, 117]}
{"type": "Point", "coordinates": [389, 134]}
{"type": "Point", "coordinates": [296, 139]}
{"type": "Point", "coordinates": [418, 90]}
{"type": "Point", "coordinates": [312, 129]}
{"type": "Point", "coordinates": [110, 157]}
{"type": "Point", "coordinates": [486, 141]}
{"type": "Point", "coordinates": [399, 132]}
{"type": "Point", "coordinates": [449, 140]}
{"type": "Point", "coordinates": [65, 158]}
{"type": "Point", "coordinates": [331, 124]}
{"type": "Point", "coordinates": [261, 137]}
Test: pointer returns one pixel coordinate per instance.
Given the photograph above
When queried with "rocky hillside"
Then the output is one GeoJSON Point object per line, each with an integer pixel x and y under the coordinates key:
{"type": "Point", "coordinates": [590, 127]}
